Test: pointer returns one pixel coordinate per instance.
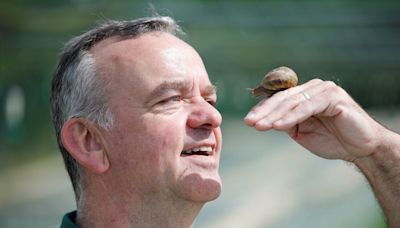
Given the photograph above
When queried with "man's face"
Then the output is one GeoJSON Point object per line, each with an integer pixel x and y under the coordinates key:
{"type": "Point", "coordinates": [162, 101]}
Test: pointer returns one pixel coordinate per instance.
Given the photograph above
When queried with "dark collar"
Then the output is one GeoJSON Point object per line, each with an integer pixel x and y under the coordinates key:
{"type": "Point", "coordinates": [68, 220]}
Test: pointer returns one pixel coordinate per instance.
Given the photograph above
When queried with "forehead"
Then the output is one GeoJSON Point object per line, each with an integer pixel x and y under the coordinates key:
{"type": "Point", "coordinates": [148, 60]}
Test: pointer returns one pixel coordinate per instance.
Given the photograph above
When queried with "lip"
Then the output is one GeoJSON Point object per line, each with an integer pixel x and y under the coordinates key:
{"type": "Point", "coordinates": [209, 161]}
{"type": "Point", "coordinates": [206, 162]}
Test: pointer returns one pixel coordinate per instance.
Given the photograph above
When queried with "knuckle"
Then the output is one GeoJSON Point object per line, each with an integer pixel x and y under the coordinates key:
{"type": "Point", "coordinates": [330, 84]}
{"type": "Point", "coordinates": [316, 80]}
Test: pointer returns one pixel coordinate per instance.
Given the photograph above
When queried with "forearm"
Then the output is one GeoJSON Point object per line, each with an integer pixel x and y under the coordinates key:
{"type": "Point", "coordinates": [382, 169]}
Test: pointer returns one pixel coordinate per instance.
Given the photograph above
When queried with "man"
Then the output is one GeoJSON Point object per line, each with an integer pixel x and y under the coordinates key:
{"type": "Point", "coordinates": [135, 119]}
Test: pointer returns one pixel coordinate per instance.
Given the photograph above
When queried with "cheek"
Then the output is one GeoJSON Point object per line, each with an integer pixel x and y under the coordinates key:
{"type": "Point", "coordinates": [152, 144]}
{"type": "Point", "coordinates": [164, 134]}
{"type": "Point", "coordinates": [218, 138]}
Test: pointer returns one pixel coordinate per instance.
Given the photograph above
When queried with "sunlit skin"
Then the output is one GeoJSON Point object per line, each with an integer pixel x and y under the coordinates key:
{"type": "Point", "coordinates": [163, 103]}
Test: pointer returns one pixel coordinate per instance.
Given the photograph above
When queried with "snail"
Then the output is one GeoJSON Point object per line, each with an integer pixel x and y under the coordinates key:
{"type": "Point", "coordinates": [278, 79]}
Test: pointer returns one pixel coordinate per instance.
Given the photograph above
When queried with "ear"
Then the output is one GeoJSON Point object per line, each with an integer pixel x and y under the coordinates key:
{"type": "Point", "coordinates": [84, 141]}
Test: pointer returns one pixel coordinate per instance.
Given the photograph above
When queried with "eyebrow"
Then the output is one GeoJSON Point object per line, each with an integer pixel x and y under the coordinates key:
{"type": "Point", "coordinates": [167, 86]}
{"type": "Point", "coordinates": [183, 85]}
{"type": "Point", "coordinates": [209, 90]}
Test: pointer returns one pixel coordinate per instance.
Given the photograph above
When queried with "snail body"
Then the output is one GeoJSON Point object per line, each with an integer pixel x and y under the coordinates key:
{"type": "Point", "coordinates": [276, 80]}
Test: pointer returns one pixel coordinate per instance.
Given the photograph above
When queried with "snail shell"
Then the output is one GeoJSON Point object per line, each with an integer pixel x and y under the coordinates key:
{"type": "Point", "coordinates": [276, 80]}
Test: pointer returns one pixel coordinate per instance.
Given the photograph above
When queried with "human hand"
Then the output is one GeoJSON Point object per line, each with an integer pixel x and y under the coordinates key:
{"type": "Point", "coordinates": [322, 117]}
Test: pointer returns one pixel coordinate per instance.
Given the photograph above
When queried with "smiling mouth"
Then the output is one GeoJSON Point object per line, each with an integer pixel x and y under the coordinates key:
{"type": "Point", "coordinates": [202, 151]}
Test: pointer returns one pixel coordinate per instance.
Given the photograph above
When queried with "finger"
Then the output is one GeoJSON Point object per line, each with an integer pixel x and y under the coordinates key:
{"type": "Point", "coordinates": [266, 121]}
{"type": "Point", "coordinates": [320, 95]}
{"type": "Point", "coordinates": [297, 115]}
{"type": "Point", "coordinates": [266, 106]}
{"type": "Point", "coordinates": [298, 131]}
{"type": "Point", "coordinates": [316, 105]}
{"type": "Point", "coordinates": [289, 103]}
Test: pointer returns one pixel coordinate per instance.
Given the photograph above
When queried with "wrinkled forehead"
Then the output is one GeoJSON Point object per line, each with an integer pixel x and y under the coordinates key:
{"type": "Point", "coordinates": [148, 60]}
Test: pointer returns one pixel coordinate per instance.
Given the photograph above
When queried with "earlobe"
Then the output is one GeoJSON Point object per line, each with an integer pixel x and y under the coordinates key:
{"type": "Point", "coordinates": [84, 142]}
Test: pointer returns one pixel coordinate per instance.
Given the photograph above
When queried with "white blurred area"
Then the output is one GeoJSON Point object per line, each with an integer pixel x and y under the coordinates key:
{"type": "Point", "coordinates": [14, 107]}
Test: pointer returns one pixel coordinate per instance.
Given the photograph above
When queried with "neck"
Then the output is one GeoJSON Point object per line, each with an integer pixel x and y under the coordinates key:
{"type": "Point", "coordinates": [113, 209]}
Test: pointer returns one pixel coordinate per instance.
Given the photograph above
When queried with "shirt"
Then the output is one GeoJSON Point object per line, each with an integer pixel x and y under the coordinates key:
{"type": "Point", "coordinates": [68, 220]}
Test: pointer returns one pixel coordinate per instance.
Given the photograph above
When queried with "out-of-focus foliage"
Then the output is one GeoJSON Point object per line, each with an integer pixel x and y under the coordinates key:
{"type": "Point", "coordinates": [354, 43]}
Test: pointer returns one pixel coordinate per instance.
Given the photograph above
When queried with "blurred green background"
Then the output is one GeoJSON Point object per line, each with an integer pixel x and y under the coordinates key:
{"type": "Point", "coordinates": [353, 43]}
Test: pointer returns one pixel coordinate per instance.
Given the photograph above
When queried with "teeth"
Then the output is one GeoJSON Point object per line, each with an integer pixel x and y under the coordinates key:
{"type": "Point", "coordinates": [202, 148]}
{"type": "Point", "coordinates": [206, 148]}
{"type": "Point", "coordinates": [187, 152]}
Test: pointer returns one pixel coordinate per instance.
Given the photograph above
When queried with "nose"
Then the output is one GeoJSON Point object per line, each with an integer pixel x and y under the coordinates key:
{"type": "Point", "coordinates": [204, 115]}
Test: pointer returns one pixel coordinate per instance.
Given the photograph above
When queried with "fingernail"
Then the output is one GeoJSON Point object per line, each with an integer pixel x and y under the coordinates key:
{"type": "Point", "coordinates": [249, 116]}
{"type": "Point", "coordinates": [267, 124]}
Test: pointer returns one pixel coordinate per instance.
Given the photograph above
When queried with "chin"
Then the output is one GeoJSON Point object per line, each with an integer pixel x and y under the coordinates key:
{"type": "Point", "coordinates": [201, 189]}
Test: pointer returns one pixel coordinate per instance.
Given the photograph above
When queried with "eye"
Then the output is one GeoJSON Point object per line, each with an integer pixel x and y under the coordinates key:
{"type": "Point", "coordinates": [176, 98]}
{"type": "Point", "coordinates": [211, 102]}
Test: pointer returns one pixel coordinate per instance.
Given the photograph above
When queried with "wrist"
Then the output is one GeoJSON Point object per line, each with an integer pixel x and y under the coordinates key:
{"type": "Point", "coordinates": [382, 169]}
{"type": "Point", "coordinates": [383, 163]}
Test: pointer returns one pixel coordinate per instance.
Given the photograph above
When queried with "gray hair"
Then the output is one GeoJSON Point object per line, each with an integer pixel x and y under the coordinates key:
{"type": "Point", "coordinates": [77, 91]}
